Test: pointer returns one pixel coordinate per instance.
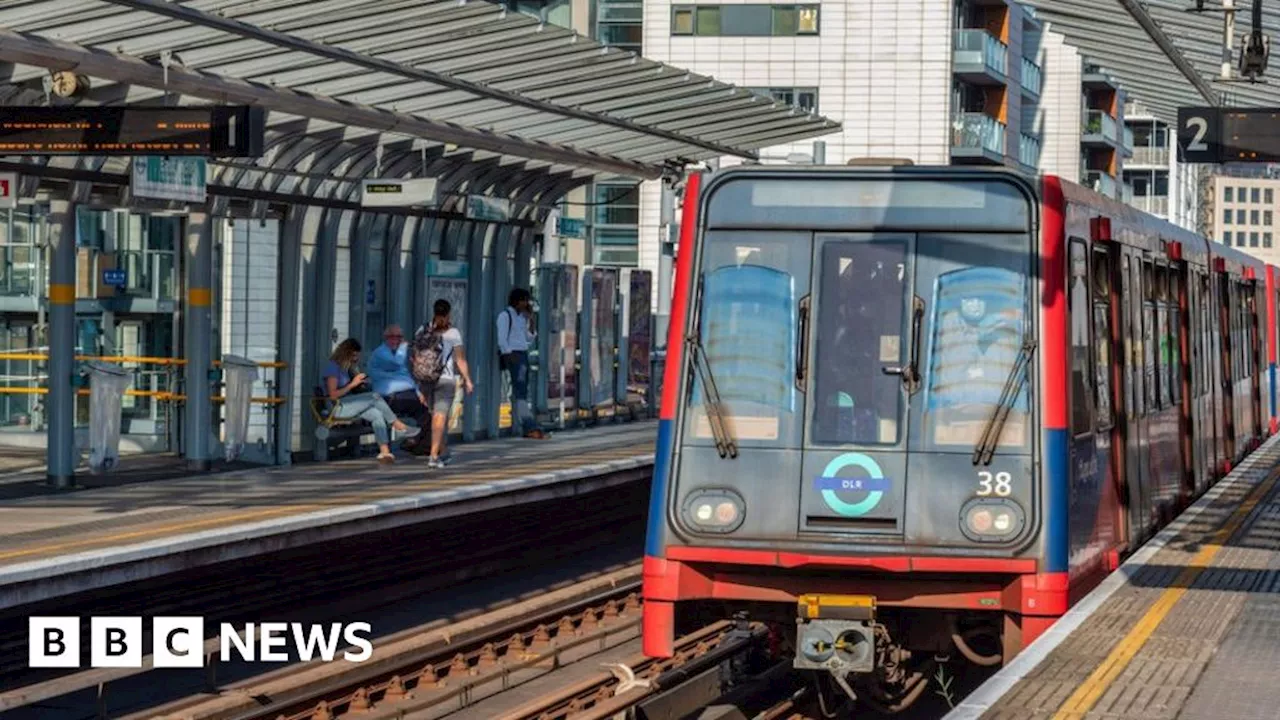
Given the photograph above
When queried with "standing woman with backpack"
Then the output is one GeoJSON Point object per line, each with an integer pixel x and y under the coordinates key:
{"type": "Point", "coordinates": [438, 360]}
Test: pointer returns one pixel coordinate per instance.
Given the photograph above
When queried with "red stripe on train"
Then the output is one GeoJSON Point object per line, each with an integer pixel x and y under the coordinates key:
{"type": "Point", "coordinates": [1054, 349]}
{"type": "Point", "coordinates": [680, 298]}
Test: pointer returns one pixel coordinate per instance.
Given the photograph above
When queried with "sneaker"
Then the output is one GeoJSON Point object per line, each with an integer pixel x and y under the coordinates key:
{"type": "Point", "coordinates": [410, 432]}
{"type": "Point", "coordinates": [434, 463]}
{"type": "Point", "coordinates": [536, 435]}
{"type": "Point", "coordinates": [387, 459]}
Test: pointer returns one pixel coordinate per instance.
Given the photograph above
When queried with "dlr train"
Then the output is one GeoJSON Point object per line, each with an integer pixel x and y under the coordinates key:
{"type": "Point", "coordinates": [912, 414]}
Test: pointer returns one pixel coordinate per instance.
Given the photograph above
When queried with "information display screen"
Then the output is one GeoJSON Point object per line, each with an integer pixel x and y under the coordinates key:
{"type": "Point", "coordinates": [1251, 136]}
{"type": "Point", "coordinates": [212, 131]}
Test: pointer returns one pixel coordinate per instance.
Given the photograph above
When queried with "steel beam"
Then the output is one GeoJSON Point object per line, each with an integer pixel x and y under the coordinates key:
{"type": "Point", "coordinates": [47, 52]}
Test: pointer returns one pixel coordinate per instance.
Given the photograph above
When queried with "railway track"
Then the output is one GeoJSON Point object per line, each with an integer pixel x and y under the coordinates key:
{"type": "Point", "coordinates": [315, 585]}
{"type": "Point", "coordinates": [438, 670]}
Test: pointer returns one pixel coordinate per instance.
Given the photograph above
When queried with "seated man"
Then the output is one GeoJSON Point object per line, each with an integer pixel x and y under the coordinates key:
{"type": "Point", "coordinates": [389, 372]}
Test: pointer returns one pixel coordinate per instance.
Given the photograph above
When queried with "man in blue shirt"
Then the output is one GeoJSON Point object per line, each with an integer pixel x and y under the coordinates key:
{"type": "Point", "coordinates": [389, 373]}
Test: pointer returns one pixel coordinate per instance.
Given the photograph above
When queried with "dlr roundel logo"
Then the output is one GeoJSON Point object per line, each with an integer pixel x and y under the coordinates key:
{"type": "Point", "coordinates": [853, 496]}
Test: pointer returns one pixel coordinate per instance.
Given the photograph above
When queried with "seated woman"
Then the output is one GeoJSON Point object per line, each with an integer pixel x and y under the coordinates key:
{"type": "Point", "coordinates": [339, 384]}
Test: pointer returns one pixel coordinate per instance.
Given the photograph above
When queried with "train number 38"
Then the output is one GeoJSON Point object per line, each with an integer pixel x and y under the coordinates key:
{"type": "Point", "coordinates": [1000, 484]}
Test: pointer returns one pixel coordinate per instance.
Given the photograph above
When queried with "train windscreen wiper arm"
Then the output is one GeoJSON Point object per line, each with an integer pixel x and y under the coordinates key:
{"type": "Point", "coordinates": [986, 447]}
{"type": "Point", "coordinates": [725, 444]}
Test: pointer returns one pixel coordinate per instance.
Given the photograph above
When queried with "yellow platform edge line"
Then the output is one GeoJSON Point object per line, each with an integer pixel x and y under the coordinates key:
{"type": "Point", "coordinates": [1100, 680]}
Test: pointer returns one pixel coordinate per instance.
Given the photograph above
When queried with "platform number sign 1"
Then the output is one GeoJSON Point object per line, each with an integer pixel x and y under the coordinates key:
{"type": "Point", "coordinates": [1200, 134]}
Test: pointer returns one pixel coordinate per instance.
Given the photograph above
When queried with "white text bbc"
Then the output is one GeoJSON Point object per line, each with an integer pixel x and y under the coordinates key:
{"type": "Point", "coordinates": [178, 642]}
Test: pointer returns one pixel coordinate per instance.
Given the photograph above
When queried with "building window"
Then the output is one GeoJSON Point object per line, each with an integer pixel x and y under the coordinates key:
{"type": "Point", "coordinates": [1266, 239]}
{"type": "Point", "coordinates": [617, 204]}
{"type": "Point", "coordinates": [1226, 237]}
{"type": "Point", "coordinates": [616, 227]}
{"type": "Point", "coordinates": [801, 98]}
{"type": "Point", "coordinates": [1269, 196]}
{"type": "Point", "coordinates": [1253, 239]}
{"type": "Point", "coordinates": [1253, 217]}
{"type": "Point", "coordinates": [1255, 196]}
{"type": "Point", "coordinates": [619, 23]}
{"type": "Point", "coordinates": [1240, 217]}
{"type": "Point", "coordinates": [1226, 216]}
{"type": "Point", "coordinates": [1266, 216]}
{"type": "Point", "coordinates": [1240, 194]}
{"type": "Point", "coordinates": [744, 20]}
{"type": "Point", "coordinates": [1227, 194]}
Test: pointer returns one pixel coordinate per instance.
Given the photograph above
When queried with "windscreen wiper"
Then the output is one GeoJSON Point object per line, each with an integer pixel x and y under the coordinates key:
{"type": "Point", "coordinates": [725, 444]}
{"type": "Point", "coordinates": [986, 447]}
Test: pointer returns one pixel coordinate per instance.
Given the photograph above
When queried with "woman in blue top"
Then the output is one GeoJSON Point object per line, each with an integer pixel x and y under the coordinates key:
{"type": "Point", "coordinates": [339, 383]}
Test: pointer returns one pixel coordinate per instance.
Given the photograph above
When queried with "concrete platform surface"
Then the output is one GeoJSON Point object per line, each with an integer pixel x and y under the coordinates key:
{"type": "Point", "coordinates": [1188, 627]}
{"type": "Point", "coordinates": [58, 544]}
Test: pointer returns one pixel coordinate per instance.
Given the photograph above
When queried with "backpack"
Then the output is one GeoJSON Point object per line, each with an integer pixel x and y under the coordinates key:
{"type": "Point", "coordinates": [428, 355]}
{"type": "Point", "coordinates": [502, 359]}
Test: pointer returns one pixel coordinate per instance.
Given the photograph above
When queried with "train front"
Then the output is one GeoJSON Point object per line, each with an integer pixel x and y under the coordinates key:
{"type": "Point", "coordinates": [850, 428]}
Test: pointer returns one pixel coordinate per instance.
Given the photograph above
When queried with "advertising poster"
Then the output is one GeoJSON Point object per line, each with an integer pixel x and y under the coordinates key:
{"type": "Point", "coordinates": [447, 279]}
{"type": "Point", "coordinates": [564, 339]}
{"type": "Point", "coordinates": [604, 291]}
{"type": "Point", "coordinates": [639, 335]}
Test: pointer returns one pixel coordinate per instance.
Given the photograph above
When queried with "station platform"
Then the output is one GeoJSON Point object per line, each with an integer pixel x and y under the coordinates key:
{"type": "Point", "coordinates": [63, 543]}
{"type": "Point", "coordinates": [1188, 627]}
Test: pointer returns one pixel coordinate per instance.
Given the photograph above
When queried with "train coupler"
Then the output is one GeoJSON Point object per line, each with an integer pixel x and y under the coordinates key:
{"type": "Point", "coordinates": [836, 633]}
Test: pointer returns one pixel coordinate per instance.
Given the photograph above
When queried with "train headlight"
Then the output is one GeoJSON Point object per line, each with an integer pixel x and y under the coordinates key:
{"type": "Point", "coordinates": [992, 519]}
{"type": "Point", "coordinates": [715, 510]}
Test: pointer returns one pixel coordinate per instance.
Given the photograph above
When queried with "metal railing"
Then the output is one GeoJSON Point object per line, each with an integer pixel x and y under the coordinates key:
{"type": "Point", "coordinates": [1146, 155]}
{"type": "Point", "coordinates": [20, 269]}
{"type": "Point", "coordinates": [979, 46]}
{"type": "Point", "coordinates": [1032, 76]}
{"type": "Point", "coordinates": [978, 130]}
{"type": "Point", "coordinates": [1029, 150]}
{"type": "Point", "coordinates": [1100, 182]}
{"type": "Point", "coordinates": [1097, 122]}
{"type": "Point", "coordinates": [154, 393]}
{"type": "Point", "coordinates": [1154, 204]}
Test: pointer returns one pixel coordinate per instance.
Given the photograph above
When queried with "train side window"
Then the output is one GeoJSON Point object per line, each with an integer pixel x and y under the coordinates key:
{"type": "Point", "coordinates": [1081, 386]}
{"type": "Point", "coordinates": [1102, 336]}
{"type": "Point", "coordinates": [1175, 336]}
{"type": "Point", "coordinates": [1150, 396]}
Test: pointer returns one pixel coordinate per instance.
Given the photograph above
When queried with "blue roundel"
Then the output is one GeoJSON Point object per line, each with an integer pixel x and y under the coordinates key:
{"type": "Point", "coordinates": [875, 485]}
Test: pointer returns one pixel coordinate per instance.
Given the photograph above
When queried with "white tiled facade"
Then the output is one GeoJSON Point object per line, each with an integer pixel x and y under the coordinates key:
{"type": "Point", "coordinates": [1058, 119]}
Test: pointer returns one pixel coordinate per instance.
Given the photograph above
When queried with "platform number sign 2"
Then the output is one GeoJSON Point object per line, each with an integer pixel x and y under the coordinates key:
{"type": "Point", "coordinates": [1200, 134]}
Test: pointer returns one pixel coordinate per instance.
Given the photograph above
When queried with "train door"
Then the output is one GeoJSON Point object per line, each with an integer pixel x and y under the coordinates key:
{"type": "Point", "coordinates": [1255, 359]}
{"type": "Point", "coordinates": [1210, 359]}
{"type": "Point", "coordinates": [863, 310]}
{"type": "Point", "coordinates": [1226, 416]}
{"type": "Point", "coordinates": [1131, 294]}
{"type": "Point", "coordinates": [1178, 324]}
{"type": "Point", "coordinates": [1148, 399]}
{"type": "Point", "coordinates": [1195, 355]}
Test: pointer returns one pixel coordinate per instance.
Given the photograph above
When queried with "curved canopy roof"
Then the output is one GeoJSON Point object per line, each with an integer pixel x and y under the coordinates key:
{"type": "Point", "coordinates": [1164, 56]}
{"type": "Point", "coordinates": [488, 100]}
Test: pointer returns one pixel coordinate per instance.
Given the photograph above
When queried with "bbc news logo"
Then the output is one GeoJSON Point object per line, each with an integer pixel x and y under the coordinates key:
{"type": "Point", "coordinates": [178, 642]}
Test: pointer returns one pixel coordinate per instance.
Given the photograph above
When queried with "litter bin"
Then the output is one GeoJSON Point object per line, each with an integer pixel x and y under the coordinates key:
{"type": "Point", "coordinates": [238, 375]}
{"type": "Point", "coordinates": [107, 384]}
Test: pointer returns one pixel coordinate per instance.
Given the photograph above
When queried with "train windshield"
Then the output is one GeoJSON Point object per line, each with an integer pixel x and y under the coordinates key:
{"type": "Point", "coordinates": [872, 328]}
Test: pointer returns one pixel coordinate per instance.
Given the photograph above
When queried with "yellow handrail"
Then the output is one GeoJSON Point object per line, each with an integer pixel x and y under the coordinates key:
{"type": "Point", "coordinates": [143, 359]}
{"type": "Point", "coordinates": [161, 395]}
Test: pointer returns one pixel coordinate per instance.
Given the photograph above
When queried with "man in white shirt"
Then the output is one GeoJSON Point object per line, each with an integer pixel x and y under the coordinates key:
{"type": "Point", "coordinates": [514, 338]}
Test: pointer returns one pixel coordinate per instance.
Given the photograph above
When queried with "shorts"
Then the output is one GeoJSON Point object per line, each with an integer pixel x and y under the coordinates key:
{"type": "Point", "coordinates": [441, 399]}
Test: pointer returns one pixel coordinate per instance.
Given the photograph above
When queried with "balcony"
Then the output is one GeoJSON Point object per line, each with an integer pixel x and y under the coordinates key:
{"type": "Point", "coordinates": [1126, 140]}
{"type": "Point", "coordinates": [1032, 78]}
{"type": "Point", "coordinates": [980, 58]}
{"type": "Point", "coordinates": [1100, 182]}
{"type": "Point", "coordinates": [977, 137]}
{"type": "Point", "coordinates": [1154, 204]}
{"type": "Point", "coordinates": [1149, 157]}
{"type": "Point", "coordinates": [1029, 150]}
{"type": "Point", "coordinates": [1099, 128]}
{"type": "Point", "coordinates": [1096, 77]}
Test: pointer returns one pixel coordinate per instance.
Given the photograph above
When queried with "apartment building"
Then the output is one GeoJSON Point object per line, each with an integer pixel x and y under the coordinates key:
{"type": "Point", "coordinates": [1245, 211]}
{"type": "Point", "coordinates": [1160, 184]}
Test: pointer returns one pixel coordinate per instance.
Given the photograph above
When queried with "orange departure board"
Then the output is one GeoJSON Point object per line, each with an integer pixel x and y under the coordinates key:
{"type": "Point", "coordinates": [212, 131]}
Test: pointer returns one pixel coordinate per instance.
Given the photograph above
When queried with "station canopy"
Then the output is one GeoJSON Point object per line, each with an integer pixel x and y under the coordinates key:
{"type": "Point", "coordinates": [1164, 56]}
{"type": "Point", "coordinates": [489, 100]}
